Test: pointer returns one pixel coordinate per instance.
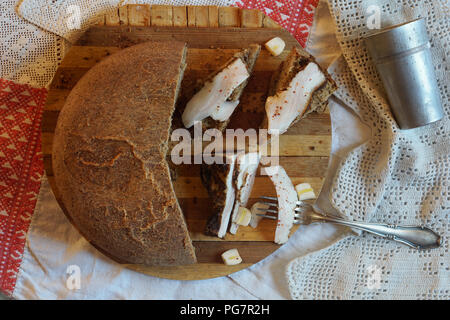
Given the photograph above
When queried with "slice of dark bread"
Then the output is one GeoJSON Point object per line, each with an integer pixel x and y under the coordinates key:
{"type": "Point", "coordinates": [219, 183]}
{"type": "Point", "coordinates": [295, 62]}
{"type": "Point", "coordinates": [248, 57]}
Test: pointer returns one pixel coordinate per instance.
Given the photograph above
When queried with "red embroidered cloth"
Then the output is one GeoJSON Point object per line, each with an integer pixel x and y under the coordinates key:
{"type": "Point", "coordinates": [21, 169]}
{"type": "Point", "coordinates": [21, 165]}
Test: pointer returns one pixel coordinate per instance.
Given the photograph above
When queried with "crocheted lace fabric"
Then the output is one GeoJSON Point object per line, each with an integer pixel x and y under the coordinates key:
{"type": "Point", "coordinates": [29, 54]}
{"type": "Point", "coordinates": [397, 177]}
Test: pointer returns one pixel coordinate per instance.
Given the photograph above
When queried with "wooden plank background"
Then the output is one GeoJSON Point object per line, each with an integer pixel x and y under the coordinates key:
{"type": "Point", "coordinates": [213, 35]}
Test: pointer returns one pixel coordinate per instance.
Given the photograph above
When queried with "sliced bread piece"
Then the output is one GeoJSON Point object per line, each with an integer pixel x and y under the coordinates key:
{"type": "Point", "coordinates": [218, 181]}
{"type": "Point", "coordinates": [217, 97]}
{"type": "Point", "coordinates": [299, 87]}
{"type": "Point", "coordinates": [244, 178]}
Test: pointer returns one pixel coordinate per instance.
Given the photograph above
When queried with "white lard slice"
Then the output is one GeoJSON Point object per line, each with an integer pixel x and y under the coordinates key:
{"type": "Point", "coordinates": [224, 111]}
{"type": "Point", "coordinates": [247, 165]}
{"type": "Point", "coordinates": [284, 107]}
{"type": "Point", "coordinates": [229, 197]}
{"type": "Point", "coordinates": [211, 99]}
{"type": "Point", "coordinates": [287, 201]}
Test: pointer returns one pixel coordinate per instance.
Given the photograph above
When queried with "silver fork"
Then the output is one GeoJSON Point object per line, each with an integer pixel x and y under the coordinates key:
{"type": "Point", "coordinates": [417, 237]}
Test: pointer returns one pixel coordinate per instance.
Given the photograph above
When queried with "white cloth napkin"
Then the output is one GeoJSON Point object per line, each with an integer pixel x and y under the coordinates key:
{"type": "Point", "coordinates": [54, 246]}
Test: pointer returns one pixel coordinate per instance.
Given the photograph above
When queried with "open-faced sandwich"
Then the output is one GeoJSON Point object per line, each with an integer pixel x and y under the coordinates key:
{"type": "Point", "coordinates": [299, 87]}
{"type": "Point", "coordinates": [244, 178]}
{"type": "Point", "coordinates": [229, 186]}
{"type": "Point", "coordinates": [218, 181]}
{"type": "Point", "coordinates": [218, 96]}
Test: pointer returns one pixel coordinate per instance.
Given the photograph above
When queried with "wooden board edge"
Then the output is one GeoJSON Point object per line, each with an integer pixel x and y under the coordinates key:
{"type": "Point", "coordinates": [198, 271]}
{"type": "Point", "coordinates": [185, 16]}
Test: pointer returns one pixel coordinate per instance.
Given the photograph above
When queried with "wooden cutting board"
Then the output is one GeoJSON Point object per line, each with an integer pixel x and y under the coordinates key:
{"type": "Point", "coordinates": [213, 35]}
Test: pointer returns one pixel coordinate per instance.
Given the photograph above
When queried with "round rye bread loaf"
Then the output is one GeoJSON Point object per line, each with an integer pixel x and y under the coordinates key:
{"type": "Point", "coordinates": [109, 156]}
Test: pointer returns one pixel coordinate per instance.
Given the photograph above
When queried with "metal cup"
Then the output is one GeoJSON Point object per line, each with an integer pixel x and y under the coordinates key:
{"type": "Point", "coordinates": [402, 57]}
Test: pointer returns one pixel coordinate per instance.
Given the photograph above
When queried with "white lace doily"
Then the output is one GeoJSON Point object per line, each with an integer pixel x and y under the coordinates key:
{"type": "Point", "coordinates": [397, 177]}
{"type": "Point", "coordinates": [29, 54]}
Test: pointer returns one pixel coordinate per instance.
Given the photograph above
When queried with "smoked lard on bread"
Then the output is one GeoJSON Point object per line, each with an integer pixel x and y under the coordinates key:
{"type": "Point", "coordinates": [218, 96]}
{"type": "Point", "coordinates": [218, 179]}
{"type": "Point", "coordinates": [299, 87]}
{"type": "Point", "coordinates": [109, 156]}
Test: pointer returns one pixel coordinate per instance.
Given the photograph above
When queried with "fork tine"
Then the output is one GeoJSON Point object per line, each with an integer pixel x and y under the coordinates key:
{"type": "Point", "coordinates": [267, 210]}
{"type": "Point", "coordinates": [269, 198]}
{"type": "Point", "coordinates": [298, 209]}
{"type": "Point", "coordinates": [301, 207]}
{"type": "Point", "coordinates": [270, 204]}
{"type": "Point", "coordinates": [267, 216]}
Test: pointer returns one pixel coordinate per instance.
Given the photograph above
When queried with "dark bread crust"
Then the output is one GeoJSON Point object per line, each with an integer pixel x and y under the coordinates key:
{"type": "Point", "coordinates": [248, 57]}
{"type": "Point", "coordinates": [109, 156]}
{"type": "Point", "coordinates": [296, 61]}
{"type": "Point", "coordinates": [214, 179]}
